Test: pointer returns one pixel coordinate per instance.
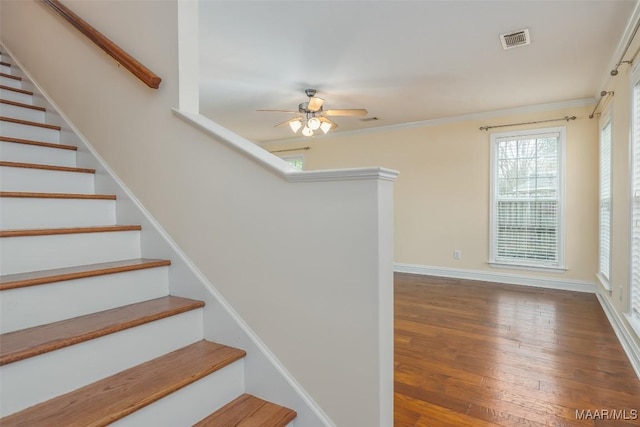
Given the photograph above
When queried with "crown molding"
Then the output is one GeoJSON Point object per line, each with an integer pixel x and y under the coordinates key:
{"type": "Point", "coordinates": [576, 103]}
{"type": "Point", "coordinates": [626, 35]}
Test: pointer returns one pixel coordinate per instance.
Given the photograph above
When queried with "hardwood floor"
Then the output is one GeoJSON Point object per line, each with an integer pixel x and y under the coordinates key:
{"type": "Point", "coordinates": [484, 354]}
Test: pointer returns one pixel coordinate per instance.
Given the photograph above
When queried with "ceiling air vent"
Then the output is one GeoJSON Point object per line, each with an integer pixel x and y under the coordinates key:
{"type": "Point", "coordinates": [515, 39]}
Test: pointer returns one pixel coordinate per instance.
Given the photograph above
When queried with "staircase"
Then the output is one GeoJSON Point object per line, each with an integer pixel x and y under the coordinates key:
{"type": "Point", "coordinates": [89, 332]}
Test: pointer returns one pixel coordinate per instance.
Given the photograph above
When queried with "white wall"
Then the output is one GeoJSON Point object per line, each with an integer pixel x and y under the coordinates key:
{"type": "Point", "coordinates": [307, 265]}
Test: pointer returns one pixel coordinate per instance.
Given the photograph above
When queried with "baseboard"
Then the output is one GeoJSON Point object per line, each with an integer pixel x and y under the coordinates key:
{"type": "Point", "coordinates": [623, 331]}
{"type": "Point", "coordinates": [489, 276]}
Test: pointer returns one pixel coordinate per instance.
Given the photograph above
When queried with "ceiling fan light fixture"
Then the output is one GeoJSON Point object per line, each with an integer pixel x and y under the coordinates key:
{"type": "Point", "coordinates": [313, 117]}
{"type": "Point", "coordinates": [314, 123]}
{"type": "Point", "coordinates": [295, 125]}
{"type": "Point", "coordinates": [306, 131]}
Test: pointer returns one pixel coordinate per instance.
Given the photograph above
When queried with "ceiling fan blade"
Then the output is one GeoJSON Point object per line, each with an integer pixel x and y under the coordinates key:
{"type": "Point", "coordinates": [347, 112]}
{"type": "Point", "coordinates": [315, 104]}
{"type": "Point", "coordinates": [280, 111]}
{"type": "Point", "coordinates": [331, 122]}
{"type": "Point", "coordinates": [288, 121]}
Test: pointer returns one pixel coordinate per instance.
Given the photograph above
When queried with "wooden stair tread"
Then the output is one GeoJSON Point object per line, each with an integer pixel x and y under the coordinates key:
{"type": "Point", "coordinates": [20, 104]}
{"type": "Point", "coordinates": [9, 76]}
{"type": "Point", "coordinates": [13, 89]}
{"type": "Point", "coordinates": [33, 278]}
{"type": "Point", "coordinates": [6, 64]}
{"type": "Point", "coordinates": [29, 123]}
{"type": "Point", "coordinates": [249, 411]}
{"type": "Point", "coordinates": [38, 143]}
{"type": "Point", "coordinates": [71, 230]}
{"type": "Point", "coordinates": [45, 167]}
{"type": "Point", "coordinates": [79, 196]}
{"type": "Point", "coordinates": [112, 398]}
{"type": "Point", "coordinates": [25, 343]}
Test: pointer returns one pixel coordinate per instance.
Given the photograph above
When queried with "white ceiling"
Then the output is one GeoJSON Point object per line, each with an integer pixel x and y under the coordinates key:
{"type": "Point", "coordinates": [404, 61]}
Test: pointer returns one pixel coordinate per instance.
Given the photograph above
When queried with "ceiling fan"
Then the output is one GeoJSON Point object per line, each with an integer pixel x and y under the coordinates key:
{"type": "Point", "coordinates": [313, 116]}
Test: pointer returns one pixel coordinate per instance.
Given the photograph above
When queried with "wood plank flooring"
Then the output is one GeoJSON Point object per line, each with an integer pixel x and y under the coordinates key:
{"type": "Point", "coordinates": [484, 354]}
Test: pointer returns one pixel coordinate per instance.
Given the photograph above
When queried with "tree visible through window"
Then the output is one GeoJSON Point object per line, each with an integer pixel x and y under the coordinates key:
{"type": "Point", "coordinates": [295, 161]}
{"type": "Point", "coordinates": [527, 197]}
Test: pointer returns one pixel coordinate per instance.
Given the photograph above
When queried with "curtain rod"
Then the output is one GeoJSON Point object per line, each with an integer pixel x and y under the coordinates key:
{"type": "Point", "coordinates": [567, 118]}
{"type": "Point", "coordinates": [291, 149]}
{"type": "Point", "coordinates": [614, 72]}
{"type": "Point", "coordinates": [602, 95]}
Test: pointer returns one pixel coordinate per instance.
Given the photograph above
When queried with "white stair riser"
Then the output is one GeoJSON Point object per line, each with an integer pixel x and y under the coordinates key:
{"type": "Point", "coordinates": [37, 133]}
{"type": "Point", "coordinates": [192, 403]}
{"type": "Point", "coordinates": [22, 254]}
{"type": "Point", "coordinates": [7, 81]}
{"type": "Point", "coordinates": [5, 69]}
{"type": "Point", "coordinates": [22, 113]}
{"type": "Point", "coordinates": [19, 213]}
{"type": "Point", "coordinates": [16, 96]}
{"type": "Point", "coordinates": [24, 153]}
{"type": "Point", "coordinates": [43, 377]}
{"type": "Point", "coordinates": [45, 181]}
{"type": "Point", "coordinates": [26, 307]}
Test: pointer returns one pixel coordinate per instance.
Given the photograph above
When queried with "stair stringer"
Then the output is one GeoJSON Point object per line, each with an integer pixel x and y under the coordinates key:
{"type": "Point", "coordinates": [265, 375]}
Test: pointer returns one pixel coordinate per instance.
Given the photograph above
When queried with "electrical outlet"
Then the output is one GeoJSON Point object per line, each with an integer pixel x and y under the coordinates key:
{"type": "Point", "coordinates": [457, 254]}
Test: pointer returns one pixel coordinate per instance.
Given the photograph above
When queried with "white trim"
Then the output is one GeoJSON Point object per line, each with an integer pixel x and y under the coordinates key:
{"type": "Point", "coordinates": [575, 103]}
{"type": "Point", "coordinates": [604, 282]}
{"type": "Point", "coordinates": [342, 175]}
{"type": "Point", "coordinates": [508, 278]}
{"type": "Point", "coordinates": [275, 163]}
{"type": "Point", "coordinates": [634, 323]}
{"type": "Point", "coordinates": [622, 331]}
{"type": "Point", "coordinates": [210, 288]}
{"type": "Point", "coordinates": [605, 118]}
{"type": "Point", "coordinates": [528, 267]}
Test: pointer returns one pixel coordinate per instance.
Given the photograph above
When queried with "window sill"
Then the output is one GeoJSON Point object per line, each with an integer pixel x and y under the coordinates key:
{"type": "Point", "coordinates": [527, 267]}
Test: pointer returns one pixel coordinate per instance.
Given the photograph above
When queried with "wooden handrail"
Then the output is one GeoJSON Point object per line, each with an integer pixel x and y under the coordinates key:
{"type": "Point", "coordinates": [113, 50]}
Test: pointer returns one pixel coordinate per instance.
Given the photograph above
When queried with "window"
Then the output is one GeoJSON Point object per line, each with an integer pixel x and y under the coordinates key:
{"type": "Point", "coordinates": [295, 161]}
{"type": "Point", "coordinates": [635, 200]}
{"type": "Point", "coordinates": [605, 199]}
{"type": "Point", "coordinates": [527, 198]}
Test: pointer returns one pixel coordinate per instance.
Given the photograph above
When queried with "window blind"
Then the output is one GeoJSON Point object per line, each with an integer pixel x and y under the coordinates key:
{"type": "Point", "coordinates": [605, 199]}
{"type": "Point", "coordinates": [635, 233]}
{"type": "Point", "coordinates": [527, 200]}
